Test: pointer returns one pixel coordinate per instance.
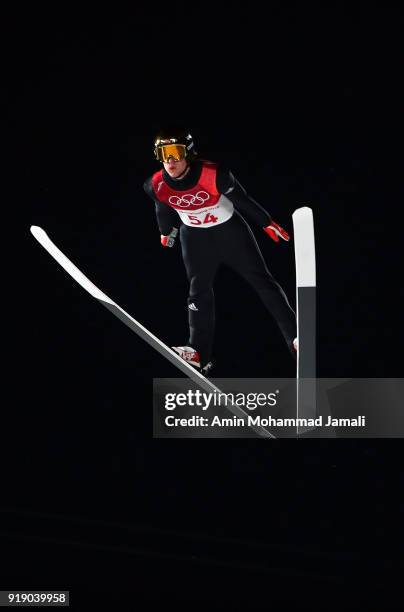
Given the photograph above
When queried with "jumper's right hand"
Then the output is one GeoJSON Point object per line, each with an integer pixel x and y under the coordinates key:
{"type": "Point", "coordinates": [168, 241]}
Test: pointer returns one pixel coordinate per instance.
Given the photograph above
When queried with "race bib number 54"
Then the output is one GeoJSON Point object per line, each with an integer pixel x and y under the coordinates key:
{"type": "Point", "coordinates": [208, 219]}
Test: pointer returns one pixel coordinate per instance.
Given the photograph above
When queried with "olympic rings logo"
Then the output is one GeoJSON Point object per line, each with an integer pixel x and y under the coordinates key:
{"type": "Point", "coordinates": [188, 199]}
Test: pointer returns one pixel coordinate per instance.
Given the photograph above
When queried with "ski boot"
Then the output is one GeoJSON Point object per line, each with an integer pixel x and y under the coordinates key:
{"type": "Point", "coordinates": [191, 356]}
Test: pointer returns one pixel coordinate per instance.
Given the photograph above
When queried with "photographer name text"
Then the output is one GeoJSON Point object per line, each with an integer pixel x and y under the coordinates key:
{"type": "Point", "coordinates": [248, 421]}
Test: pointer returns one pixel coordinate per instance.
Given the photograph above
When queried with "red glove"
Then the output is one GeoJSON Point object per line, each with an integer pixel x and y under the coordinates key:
{"type": "Point", "coordinates": [168, 241]}
{"type": "Point", "coordinates": [274, 231]}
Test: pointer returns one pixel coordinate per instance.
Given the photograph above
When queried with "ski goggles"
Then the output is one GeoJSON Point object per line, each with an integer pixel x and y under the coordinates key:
{"type": "Point", "coordinates": [176, 151]}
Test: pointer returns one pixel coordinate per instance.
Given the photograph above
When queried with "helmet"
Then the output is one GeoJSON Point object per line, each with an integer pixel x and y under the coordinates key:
{"type": "Point", "coordinates": [175, 143]}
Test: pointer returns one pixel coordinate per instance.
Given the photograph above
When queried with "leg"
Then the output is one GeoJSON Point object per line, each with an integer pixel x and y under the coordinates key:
{"type": "Point", "coordinates": [200, 261]}
{"type": "Point", "coordinates": [246, 258]}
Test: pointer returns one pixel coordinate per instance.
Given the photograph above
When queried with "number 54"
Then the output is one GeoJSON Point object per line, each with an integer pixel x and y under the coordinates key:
{"type": "Point", "coordinates": [208, 219]}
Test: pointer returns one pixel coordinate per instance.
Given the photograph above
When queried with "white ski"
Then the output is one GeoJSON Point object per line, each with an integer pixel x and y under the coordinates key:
{"type": "Point", "coordinates": [137, 327]}
{"type": "Point", "coordinates": [305, 257]}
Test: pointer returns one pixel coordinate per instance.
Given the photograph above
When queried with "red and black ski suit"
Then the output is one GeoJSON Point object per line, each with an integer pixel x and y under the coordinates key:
{"type": "Point", "coordinates": [207, 203]}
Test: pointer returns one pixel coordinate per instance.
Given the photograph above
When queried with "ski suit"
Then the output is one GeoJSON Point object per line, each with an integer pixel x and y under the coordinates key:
{"type": "Point", "coordinates": [207, 203]}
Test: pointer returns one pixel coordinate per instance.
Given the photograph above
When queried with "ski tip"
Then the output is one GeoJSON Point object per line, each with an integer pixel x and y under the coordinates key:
{"type": "Point", "coordinates": [37, 232]}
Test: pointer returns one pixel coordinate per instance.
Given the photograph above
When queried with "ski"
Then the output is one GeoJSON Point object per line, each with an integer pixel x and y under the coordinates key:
{"type": "Point", "coordinates": [305, 258]}
{"type": "Point", "coordinates": [44, 240]}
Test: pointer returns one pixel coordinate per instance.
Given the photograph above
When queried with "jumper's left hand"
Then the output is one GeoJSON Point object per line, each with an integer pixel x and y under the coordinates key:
{"type": "Point", "coordinates": [275, 231]}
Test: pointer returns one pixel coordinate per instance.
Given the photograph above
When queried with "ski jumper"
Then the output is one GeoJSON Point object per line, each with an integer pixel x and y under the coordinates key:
{"type": "Point", "coordinates": [207, 202]}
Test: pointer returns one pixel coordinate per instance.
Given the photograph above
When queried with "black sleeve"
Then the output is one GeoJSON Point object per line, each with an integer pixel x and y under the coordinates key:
{"type": "Point", "coordinates": [167, 218]}
{"type": "Point", "coordinates": [229, 186]}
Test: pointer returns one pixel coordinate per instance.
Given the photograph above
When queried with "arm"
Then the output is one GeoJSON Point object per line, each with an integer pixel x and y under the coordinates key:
{"type": "Point", "coordinates": [167, 218]}
{"type": "Point", "coordinates": [230, 187]}
{"type": "Point", "coordinates": [227, 184]}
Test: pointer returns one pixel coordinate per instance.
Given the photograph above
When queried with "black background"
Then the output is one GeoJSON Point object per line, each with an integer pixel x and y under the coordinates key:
{"type": "Point", "coordinates": [300, 104]}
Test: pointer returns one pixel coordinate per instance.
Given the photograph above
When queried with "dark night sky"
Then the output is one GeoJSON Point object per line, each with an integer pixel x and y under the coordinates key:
{"type": "Point", "coordinates": [299, 104]}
